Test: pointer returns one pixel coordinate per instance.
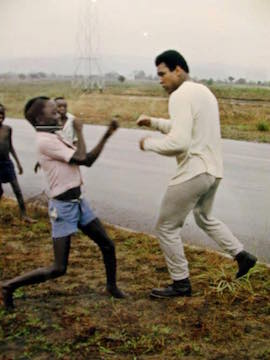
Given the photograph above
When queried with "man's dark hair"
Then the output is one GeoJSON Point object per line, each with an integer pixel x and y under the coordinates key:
{"type": "Point", "coordinates": [171, 59]}
{"type": "Point", "coordinates": [33, 108]}
{"type": "Point", "coordinates": [59, 98]}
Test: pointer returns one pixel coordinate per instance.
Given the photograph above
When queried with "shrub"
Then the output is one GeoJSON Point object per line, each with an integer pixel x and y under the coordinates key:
{"type": "Point", "coordinates": [262, 126]}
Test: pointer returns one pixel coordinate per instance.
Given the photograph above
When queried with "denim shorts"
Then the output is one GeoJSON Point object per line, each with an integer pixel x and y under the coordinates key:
{"type": "Point", "coordinates": [66, 216]}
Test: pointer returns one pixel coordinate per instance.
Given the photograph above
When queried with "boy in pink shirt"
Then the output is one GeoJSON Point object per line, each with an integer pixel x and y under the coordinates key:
{"type": "Point", "coordinates": [68, 211]}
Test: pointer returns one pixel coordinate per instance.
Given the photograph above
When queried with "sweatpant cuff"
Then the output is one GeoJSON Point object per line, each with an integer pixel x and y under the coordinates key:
{"type": "Point", "coordinates": [179, 277]}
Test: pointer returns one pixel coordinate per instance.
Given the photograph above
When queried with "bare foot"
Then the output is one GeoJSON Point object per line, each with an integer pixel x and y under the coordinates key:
{"type": "Point", "coordinates": [116, 292]}
{"type": "Point", "coordinates": [7, 297]}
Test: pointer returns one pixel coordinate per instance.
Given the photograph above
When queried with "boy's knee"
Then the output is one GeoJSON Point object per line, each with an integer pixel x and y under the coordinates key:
{"type": "Point", "coordinates": [58, 271]}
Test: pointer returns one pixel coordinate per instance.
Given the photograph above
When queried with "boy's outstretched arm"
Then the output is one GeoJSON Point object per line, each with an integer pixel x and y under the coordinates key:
{"type": "Point", "coordinates": [92, 155]}
{"type": "Point", "coordinates": [80, 153]}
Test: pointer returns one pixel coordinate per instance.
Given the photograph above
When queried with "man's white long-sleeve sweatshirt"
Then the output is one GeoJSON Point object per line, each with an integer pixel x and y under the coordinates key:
{"type": "Point", "coordinates": [192, 133]}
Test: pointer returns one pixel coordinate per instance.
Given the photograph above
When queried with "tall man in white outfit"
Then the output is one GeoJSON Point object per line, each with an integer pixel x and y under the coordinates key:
{"type": "Point", "coordinates": [192, 135]}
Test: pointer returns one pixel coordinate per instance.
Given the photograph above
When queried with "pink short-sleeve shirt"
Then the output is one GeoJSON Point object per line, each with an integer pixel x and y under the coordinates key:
{"type": "Point", "coordinates": [54, 156]}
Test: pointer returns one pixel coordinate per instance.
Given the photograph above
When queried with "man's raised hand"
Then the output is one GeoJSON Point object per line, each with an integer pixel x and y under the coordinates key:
{"type": "Point", "coordinates": [144, 120]}
{"type": "Point", "coordinates": [141, 142]}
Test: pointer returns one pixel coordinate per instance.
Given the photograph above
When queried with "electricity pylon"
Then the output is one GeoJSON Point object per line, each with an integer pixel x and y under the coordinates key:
{"type": "Point", "coordinates": [88, 74]}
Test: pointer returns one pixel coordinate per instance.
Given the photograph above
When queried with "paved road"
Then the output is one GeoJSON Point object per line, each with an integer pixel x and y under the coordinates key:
{"type": "Point", "coordinates": [125, 185]}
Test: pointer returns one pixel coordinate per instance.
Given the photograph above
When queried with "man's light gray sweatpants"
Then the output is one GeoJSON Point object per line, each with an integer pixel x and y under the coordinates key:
{"type": "Point", "coordinates": [196, 194]}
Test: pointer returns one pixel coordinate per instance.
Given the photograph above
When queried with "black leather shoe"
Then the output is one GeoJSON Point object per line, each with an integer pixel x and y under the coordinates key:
{"type": "Point", "coordinates": [7, 295]}
{"type": "Point", "coordinates": [245, 261]}
{"type": "Point", "coordinates": [178, 288]}
{"type": "Point", "coordinates": [116, 292]}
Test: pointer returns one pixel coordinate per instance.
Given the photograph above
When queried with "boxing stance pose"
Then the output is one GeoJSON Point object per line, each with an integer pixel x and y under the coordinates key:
{"type": "Point", "coordinates": [68, 211]}
{"type": "Point", "coordinates": [192, 135]}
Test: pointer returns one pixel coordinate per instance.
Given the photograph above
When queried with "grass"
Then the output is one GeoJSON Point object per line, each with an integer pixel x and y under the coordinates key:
{"type": "Point", "coordinates": [72, 318]}
{"type": "Point", "coordinates": [241, 108]}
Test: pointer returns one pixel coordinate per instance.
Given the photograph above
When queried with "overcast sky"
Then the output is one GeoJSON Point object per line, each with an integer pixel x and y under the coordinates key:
{"type": "Point", "coordinates": [228, 32]}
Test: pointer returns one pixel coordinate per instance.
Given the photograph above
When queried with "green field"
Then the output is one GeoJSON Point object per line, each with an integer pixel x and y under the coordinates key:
{"type": "Point", "coordinates": [73, 318]}
{"type": "Point", "coordinates": [244, 110]}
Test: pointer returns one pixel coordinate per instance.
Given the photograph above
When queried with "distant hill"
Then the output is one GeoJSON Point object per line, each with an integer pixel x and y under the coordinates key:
{"type": "Point", "coordinates": [66, 65]}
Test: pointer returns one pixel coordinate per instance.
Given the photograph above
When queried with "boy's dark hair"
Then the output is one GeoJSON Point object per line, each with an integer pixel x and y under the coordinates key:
{"type": "Point", "coordinates": [172, 58]}
{"type": "Point", "coordinates": [59, 98]}
{"type": "Point", "coordinates": [2, 109]}
{"type": "Point", "coordinates": [33, 108]}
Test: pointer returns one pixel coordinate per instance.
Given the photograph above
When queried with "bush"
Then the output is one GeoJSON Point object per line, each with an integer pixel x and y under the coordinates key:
{"type": "Point", "coordinates": [262, 126]}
